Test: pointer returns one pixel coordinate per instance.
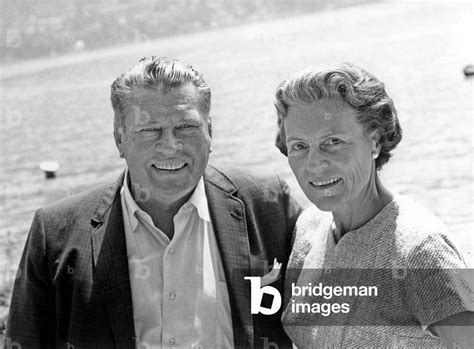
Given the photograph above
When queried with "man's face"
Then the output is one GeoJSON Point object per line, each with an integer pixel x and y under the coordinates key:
{"type": "Point", "coordinates": [165, 142]}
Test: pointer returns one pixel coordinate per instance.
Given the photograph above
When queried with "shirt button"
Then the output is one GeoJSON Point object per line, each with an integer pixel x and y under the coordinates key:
{"type": "Point", "coordinates": [171, 251]}
{"type": "Point", "coordinates": [172, 295]}
{"type": "Point", "coordinates": [172, 341]}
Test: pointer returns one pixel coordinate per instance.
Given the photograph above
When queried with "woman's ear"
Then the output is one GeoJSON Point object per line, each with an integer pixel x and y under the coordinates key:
{"type": "Point", "coordinates": [374, 136]}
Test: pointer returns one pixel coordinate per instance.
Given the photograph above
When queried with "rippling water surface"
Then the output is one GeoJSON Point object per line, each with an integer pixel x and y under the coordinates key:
{"type": "Point", "coordinates": [59, 109]}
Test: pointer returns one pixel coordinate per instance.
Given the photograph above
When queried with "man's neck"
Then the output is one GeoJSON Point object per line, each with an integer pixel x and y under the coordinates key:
{"type": "Point", "coordinates": [161, 209]}
{"type": "Point", "coordinates": [162, 212]}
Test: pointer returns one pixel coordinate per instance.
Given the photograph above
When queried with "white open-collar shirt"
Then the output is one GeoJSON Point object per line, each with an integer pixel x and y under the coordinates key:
{"type": "Point", "coordinates": [178, 287]}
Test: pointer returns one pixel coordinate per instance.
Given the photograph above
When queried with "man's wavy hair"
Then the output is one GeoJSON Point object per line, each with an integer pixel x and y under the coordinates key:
{"type": "Point", "coordinates": [160, 73]}
{"type": "Point", "coordinates": [360, 90]}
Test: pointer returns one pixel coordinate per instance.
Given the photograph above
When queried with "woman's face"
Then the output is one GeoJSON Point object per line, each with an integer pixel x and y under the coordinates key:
{"type": "Point", "coordinates": [330, 154]}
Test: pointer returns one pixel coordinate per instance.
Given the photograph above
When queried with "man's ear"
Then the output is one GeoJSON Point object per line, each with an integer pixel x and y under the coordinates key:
{"type": "Point", "coordinates": [209, 125]}
{"type": "Point", "coordinates": [118, 136]}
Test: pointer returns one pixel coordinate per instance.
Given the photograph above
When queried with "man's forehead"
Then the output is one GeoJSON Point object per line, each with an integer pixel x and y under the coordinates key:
{"type": "Point", "coordinates": [146, 106]}
{"type": "Point", "coordinates": [185, 93]}
{"type": "Point", "coordinates": [157, 100]}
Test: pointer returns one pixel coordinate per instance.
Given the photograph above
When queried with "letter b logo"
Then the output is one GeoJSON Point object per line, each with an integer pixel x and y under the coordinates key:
{"type": "Point", "coordinates": [256, 296]}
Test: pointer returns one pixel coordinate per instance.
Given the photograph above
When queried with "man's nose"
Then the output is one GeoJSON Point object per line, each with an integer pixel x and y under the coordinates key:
{"type": "Point", "coordinates": [316, 161]}
{"type": "Point", "coordinates": [169, 142]}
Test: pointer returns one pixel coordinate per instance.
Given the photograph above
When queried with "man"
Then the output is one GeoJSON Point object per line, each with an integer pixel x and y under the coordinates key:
{"type": "Point", "coordinates": [158, 258]}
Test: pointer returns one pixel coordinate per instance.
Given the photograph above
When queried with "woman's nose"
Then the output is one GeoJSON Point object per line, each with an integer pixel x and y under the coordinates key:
{"type": "Point", "coordinates": [316, 161]}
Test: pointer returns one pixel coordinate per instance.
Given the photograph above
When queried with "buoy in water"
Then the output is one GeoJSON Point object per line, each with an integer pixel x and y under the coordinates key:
{"type": "Point", "coordinates": [469, 70]}
{"type": "Point", "coordinates": [49, 168]}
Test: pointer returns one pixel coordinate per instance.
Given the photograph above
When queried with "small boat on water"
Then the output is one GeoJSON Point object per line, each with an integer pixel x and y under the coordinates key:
{"type": "Point", "coordinates": [469, 70]}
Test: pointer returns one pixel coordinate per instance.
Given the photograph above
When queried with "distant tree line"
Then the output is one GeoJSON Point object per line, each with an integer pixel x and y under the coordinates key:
{"type": "Point", "coordinates": [34, 28]}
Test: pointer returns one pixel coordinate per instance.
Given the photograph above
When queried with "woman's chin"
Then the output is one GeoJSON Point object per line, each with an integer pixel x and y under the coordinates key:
{"type": "Point", "coordinates": [327, 204]}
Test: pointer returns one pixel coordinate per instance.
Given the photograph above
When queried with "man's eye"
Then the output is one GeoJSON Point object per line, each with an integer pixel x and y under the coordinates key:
{"type": "Point", "coordinates": [148, 131]}
{"type": "Point", "coordinates": [333, 141]}
{"type": "Point", "coordinates": [185, 126]}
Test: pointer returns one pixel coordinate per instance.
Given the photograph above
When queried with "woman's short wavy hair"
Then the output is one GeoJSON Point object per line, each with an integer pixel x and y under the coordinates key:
{"type": "Point", "coordinates": [360, 90]}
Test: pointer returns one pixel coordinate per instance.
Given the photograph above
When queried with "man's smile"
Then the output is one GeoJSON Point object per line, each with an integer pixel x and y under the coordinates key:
{"type": "Point", "coordinates": [174, 165]}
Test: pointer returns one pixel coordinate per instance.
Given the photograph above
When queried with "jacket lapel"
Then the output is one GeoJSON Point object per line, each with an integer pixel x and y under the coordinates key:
{"type": "Point", "coordinates": [111, 274]}
{"type": "Point", "coordinates": [229, 224]}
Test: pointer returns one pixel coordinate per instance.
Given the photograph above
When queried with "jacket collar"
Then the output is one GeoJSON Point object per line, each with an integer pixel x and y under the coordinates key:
{"type": "Point", "coordinates": [228, 218]}
{"type": "Point", "coordinates": [111, 274]}
{"type": "Point", "coordinates": [219, 180]}
{"type": "Point", "coordinates": [107, 199]}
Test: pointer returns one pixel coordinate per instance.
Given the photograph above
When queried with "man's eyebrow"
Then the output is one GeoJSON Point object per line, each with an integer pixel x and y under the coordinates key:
{"type": "Point", "coordinates": [146, 125]}
{"type": "Point", "coordinates": [191, 117]}
{"type": "Point", "coordinates": [185, 106]}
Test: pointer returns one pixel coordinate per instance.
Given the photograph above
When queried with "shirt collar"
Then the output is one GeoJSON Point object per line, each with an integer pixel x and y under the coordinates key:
{"type": "Point", "coordinates": [198, 199]}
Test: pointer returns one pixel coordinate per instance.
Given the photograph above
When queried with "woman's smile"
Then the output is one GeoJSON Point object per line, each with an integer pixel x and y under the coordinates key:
{"type": "Point", "coordinates": [326, 183]}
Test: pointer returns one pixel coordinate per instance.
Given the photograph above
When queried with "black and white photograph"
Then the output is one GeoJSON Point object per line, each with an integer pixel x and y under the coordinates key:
{"type": "Point", "coordinates": [237, 174]}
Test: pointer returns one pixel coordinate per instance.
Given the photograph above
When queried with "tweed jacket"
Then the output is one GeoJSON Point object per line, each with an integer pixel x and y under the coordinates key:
{"type": "Point", "coordinates": [73, 290]}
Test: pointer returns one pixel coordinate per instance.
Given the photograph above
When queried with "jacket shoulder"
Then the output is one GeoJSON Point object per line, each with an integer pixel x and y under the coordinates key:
{"type": "Point", "coordinates": [245, 180]}
{"type": "Point", "coordinates": [78, 209]}
{"type": "Point", "coordinates": [85, 198]}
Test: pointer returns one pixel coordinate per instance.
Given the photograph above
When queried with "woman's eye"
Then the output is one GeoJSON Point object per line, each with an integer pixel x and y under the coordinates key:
{"type": "Point", "coordinates": [298, 147]}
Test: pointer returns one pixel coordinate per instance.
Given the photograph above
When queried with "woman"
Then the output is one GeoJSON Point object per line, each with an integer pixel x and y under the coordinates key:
{"type": "Point", "coordinates": [337, 126]}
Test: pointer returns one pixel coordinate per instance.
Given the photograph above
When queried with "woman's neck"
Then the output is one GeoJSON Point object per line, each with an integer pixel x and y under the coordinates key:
{"type": "Point", "coordinates": [355, 214]}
